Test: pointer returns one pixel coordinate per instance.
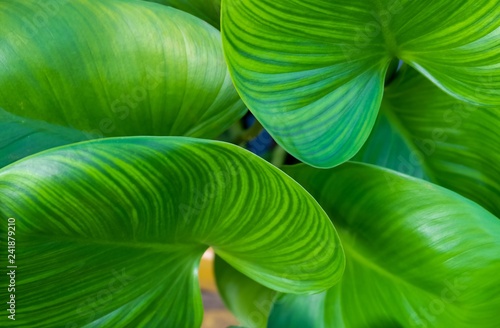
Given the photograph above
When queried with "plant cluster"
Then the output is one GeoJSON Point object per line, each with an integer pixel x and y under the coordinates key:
{"type": "Point", "coordinates": [122, 161]}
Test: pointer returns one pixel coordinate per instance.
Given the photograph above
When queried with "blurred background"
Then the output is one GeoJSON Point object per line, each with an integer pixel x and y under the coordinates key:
{"type": "Point", "coordinates": [216, 315]}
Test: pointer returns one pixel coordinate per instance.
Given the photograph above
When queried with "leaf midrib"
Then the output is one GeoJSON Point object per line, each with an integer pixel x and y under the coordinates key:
{"type": "Point", "coordinates": [390, 40]}
{"type": "Point", "coordinates": [351, 253]}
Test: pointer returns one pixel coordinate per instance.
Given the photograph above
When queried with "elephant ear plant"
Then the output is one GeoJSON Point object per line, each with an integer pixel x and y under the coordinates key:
{"type": "Point", "coordinates": [418, 255]}
{"type": "Point", "coordinates": [111, 189]}
{"type": "Point", "coordinates": [110, 233]}
{"type": "Point", "coordinates": [313, 71]}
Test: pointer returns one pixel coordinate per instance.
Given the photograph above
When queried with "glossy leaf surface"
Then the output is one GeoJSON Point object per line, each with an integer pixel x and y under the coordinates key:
{"type": "Point", "coordinates": [208, 10]}
{"type": "Point", "coordinates": [114, 68]}
{"type": "Point", "coordinates": [426, 133]}
{"type": "Point", "coordinates": [417, 255]}
{"type": "Point", "coordinates": [109, 233]}
{"type": "Point", "coordinates": [313, 71]}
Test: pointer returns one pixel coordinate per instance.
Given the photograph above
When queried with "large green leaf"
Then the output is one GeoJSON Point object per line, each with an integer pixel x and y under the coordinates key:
{"type": "Point", "coordinates": [114, 68]}
{"type": "Point", "coordinates": [417, 255]}
{"type": "Point", "coordinates": [426, 133]}
{"type": "Point", "coordinates": [313, 71]}
{"type": "Point", "coordinates": [208, 10]}
{"type": "Point", "coordinates": [109, 233]}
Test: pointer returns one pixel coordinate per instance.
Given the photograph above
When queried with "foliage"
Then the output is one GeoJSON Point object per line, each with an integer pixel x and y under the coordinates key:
{"type": "Point", "coordinates": [80, 228]}
{"type": "Point", "coordinates": [110, 232]}
{"type": "Point", "coordinates": [417, 255]}
{"type": "Point", "coordinates": [151, 70]}
{"type": "Point", "coordinates": [313, 70]}
{"type": "Point", "coordinates": [423, 132]}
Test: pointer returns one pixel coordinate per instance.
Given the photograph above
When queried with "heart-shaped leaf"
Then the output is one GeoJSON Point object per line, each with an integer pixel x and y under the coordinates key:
{"type": "Point", "coordinates": [313, 71]}
{"type": "Point", "coordinates": [417, 255]}
{"type": "Point", "coordinates": [426, 133]}
{"type": "Point", "coordinates": [113, 68]}
{"type": "Point", "coordinates": [109, 233]}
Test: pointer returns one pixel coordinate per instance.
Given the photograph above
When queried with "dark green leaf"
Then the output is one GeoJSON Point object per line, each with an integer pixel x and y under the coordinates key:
{"type": "Point", "coordinates": [20, 137]}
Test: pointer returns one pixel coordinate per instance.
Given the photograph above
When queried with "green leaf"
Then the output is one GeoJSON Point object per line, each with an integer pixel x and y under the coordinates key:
{"type": "Point", "coordinates": [114, 68]}
{"type": "Point", "coordinates": [20, 137]}
{"type": "Point", "coordinates": [109, 233]}
{"type": "Point", "coordinates": [249, 301]}
{"type": "Point", "coordinates": [426, 133]}
{"type": "Point", "coordinates": [313, 71]}
{"type": "Point", "coordinates": [208, 10]}
{"type": "Point", "coordinates": [417, 255]}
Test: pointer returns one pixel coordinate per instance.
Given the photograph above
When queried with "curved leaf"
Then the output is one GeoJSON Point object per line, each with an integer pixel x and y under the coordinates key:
{"type": "Point", "coordinates": [417, 255]}
{"type": "Point", "coordinates": [249, 301]}
{"type": "Point", "coordinates": [313, 71]}
{"type": "Point", "coordinates": [208, 10]}
{"type": "Point", "coordinates": [109, 233]}
{"type": "Point", "coordinates": [426, 133]}
{"type": "Point", "coordinates": [114, 68]}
